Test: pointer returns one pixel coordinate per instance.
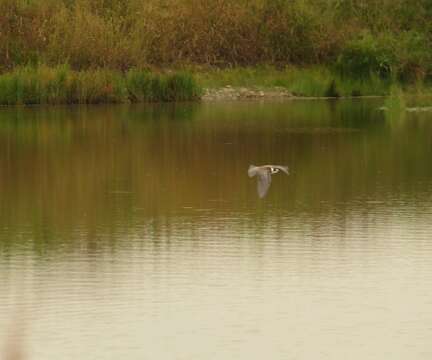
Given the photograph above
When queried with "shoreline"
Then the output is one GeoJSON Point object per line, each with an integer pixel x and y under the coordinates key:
{"type": "Point", "coordinates": [229, 92]}
{"type": "Point", "coordinates": [213, 95]}
{"type": "Point", "coordinates": [241, 93]}
{"type": "Point", "coordinates": [44, 85]}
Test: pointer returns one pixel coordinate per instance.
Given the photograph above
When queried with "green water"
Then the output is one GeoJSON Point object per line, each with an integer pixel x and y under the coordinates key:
{"type": "Point", "coordinates": [134, 232]}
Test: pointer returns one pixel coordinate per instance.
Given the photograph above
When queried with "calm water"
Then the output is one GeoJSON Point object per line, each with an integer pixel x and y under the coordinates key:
{"type": "Point", "coordinates": [135, 232]}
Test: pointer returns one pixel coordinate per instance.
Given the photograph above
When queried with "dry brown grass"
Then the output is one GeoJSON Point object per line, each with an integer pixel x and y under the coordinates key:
{"type": "Point", "coordinates": [156, 33]}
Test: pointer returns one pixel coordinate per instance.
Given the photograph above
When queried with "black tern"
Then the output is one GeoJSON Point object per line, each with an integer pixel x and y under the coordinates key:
{"type": "Point", "coordinates": [264, 173]}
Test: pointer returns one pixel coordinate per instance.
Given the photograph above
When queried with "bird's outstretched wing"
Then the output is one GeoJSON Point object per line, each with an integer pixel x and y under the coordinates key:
{"type": "Point", "coordinates": [264, 181]}
{"type": "Point", "coordinates": [253, 170]}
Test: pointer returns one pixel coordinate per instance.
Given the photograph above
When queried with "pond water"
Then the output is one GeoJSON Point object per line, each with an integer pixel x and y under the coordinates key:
{"type": "Point", "coordinates": [134, 232]}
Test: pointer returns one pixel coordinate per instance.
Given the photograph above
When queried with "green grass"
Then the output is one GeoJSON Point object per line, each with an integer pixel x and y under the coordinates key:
{"type": "Point", "coordinates": [145, 86]}
{"type": "Point", "coordinates": [313, 81]}
{"type": "Point", "coordinates": [60, 85]}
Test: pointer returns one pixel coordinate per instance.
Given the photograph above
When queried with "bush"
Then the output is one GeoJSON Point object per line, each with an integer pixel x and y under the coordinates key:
{"type": "Point", "coordinates": [366, 56]}
{"type": "Point", "coordinates": [414, 57]}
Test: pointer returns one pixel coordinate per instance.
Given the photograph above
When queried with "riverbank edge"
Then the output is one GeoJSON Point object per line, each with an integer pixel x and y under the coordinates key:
{"type": "Point", "coordinates": [241, 93]}
{"type": "Point", "coordinates": [222, 94]}
{"type": "Point", "coordinates": [60, 85]}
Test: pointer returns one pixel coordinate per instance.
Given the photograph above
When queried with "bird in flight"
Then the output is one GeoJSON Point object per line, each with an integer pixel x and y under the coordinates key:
{"type": "Point", "coordinates": [264, 174]}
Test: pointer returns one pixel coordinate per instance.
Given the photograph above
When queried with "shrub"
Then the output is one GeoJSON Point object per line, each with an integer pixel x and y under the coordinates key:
{"type": "Point", "coordinates": [414, 57]}
{"type": "Point", "coordinates": [366, 56]}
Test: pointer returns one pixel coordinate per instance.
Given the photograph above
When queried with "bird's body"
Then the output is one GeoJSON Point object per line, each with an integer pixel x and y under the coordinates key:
{"type": "Point", "coordinates": [264, 174]}
{"type": "Point", "coordinates": [272, 169]}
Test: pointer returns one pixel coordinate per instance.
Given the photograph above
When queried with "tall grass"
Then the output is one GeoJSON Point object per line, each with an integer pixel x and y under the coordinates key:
{"type": "Point", "coordinates": [387, 38]}
{"type": "Point", "coordinates": [60, 85]}
{"type": "Point", "coordinates": [145, 86]}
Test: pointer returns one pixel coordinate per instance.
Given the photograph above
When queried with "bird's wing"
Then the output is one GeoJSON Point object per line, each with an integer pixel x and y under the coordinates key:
{"type": "Point", "coordinates": [283, 168]}
{"type": "Point", "coordinates": [252, 171]}
{"type": "Point", "coordinates": [264, 181]}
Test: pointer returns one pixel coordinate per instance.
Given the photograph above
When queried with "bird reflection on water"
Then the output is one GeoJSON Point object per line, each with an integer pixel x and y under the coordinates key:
{"type": "Point", "coordinates": [264, 174]}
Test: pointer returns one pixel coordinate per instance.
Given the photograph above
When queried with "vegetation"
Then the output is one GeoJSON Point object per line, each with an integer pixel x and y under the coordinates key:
{"type": "Point", "coordinates": [60, 85]}
{"type": "Point", "coordinates": [363, 46]}
{"type": "Point", "coordinates": [304, 81]}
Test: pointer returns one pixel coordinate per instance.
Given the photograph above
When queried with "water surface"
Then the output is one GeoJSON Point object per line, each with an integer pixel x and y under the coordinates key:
{"type": "Point", "coordinates": [134, 232]}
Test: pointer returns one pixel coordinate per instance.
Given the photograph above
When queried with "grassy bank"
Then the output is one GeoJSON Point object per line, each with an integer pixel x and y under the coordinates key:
{"type": "Point", "coordinates": [311, 81]}
{"type": "Point", "coordinates": [60, 85]}
{"type": "Point", "coordinates": [317, 81]}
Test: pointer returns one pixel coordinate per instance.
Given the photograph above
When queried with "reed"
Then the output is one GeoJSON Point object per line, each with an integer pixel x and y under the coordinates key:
{"type": "Point", "coordinates": [60, 85]}
{"type": "Point", "coordinates": [145, 86]}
